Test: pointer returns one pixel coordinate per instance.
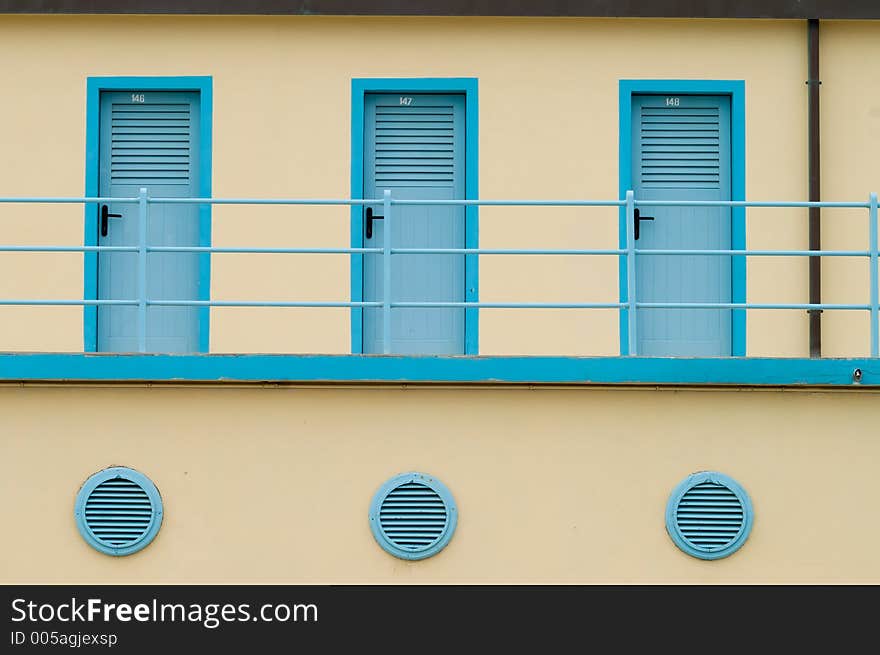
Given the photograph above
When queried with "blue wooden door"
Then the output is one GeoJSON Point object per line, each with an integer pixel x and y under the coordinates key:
{"type": "Point", "coordinates": [414, 145]}
{"type": "Point", "coordinates": [681, 151]}
{"type": "Point", "coordinates": [149, 139]}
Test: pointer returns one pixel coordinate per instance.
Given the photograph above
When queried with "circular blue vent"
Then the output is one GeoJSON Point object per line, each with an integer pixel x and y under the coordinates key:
{"type": "Point", "coordinates": [118, 511]}
{"type": "Point", "coordinates": [709, 515]}
{"type": "Point", "coordinates": [413, 516]}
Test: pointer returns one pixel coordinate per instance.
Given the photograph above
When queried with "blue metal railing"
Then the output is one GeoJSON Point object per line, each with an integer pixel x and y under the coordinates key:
{"type": "Point", "coordinates": [630, 253]}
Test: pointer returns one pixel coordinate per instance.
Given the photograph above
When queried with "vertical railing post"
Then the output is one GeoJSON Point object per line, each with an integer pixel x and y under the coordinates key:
{"type": "Point", "coordinates": [875, 294]}
{"type": "Point", "coordinates": [386, 273]}
{"type": "Point", "coordinates": [142, 271]}
{"type": "Point", "coordinates": [632, 324]}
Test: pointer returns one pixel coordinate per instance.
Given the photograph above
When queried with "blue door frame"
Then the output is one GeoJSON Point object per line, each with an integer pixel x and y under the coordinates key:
{"type": "Point", "coordinates": [736, 90]}
{"type": "Point", "coordinates": [467, 86]}
{"type": "Point", "coordinates": [95, 85]}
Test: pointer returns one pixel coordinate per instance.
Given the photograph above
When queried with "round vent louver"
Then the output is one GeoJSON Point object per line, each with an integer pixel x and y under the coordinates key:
{"type": "Point", "coordinates": [709, 515]}
{"type": "Point", "coordinates": [118, 511]}
{"type": "Point", "coordinates": [413, 516]}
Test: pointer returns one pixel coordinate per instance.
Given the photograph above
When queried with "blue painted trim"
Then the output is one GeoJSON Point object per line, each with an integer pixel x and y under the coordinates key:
{"type": "Point", "coordinates": [356, 224]}
{"type": "Point", "coordinates": [203, 85]}
{"type": "Point", "coordinates": [738, 215]}
{"type": "Point", "coordinates": [432, 549]}
{"type": "Point", "coordinates": [65, 367]}
{"type": "Point", "coordinates": [468, 86]}
{"type": "Point", "coordinates": [90, 238]}
{"type": "Point", "coordinates": [672, 527]}
{"type": "Point", "coordinates": [206, 149]}
{"type": "Point", "coordinates": [736, 90]}
{"type": "Point", "coordinates": [472, 222]}
{"type": "Point", "coordinates": [110, 474]}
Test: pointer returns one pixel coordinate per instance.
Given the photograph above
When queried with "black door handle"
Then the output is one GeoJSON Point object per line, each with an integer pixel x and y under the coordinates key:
{"type": "Point", "coordinates": [105, 214]}
{"type": "Point", "coordinates": [637, 219]}
{"type": "Point", "coordinates": [369, 222]}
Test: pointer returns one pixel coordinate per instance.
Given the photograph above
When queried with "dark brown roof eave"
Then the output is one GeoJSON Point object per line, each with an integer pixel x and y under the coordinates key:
{"type": "Point", "coordinates": [795, 9]}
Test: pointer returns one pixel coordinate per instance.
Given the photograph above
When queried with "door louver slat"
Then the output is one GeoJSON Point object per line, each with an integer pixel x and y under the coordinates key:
{"type": "Point", "coordinates": [680, 147]}
{"type": "Point", "coordinates": [401, 131]}
{"type": "Point", "coordinates": [150, 144]}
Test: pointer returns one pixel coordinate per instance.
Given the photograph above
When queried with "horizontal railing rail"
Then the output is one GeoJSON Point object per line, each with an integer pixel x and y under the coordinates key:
{"type": "Point", "coordinates": [629, 253]}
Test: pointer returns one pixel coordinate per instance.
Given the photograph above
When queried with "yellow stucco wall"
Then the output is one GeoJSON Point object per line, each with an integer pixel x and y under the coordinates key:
{"type": "Point", "coordinates": [570, 485]}
{"type": "Point", "coordinates": [850, 124]}
{"type": "Point", "coordinates": [548, 128]}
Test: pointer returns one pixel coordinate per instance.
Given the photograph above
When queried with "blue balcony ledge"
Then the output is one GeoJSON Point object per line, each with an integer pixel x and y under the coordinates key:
{"type": "Point", "coordinates": [399, 369]}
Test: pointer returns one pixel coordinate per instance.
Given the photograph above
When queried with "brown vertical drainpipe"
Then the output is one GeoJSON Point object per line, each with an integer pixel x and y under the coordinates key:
{"type": "Point", "coordinates": [813, 83]}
